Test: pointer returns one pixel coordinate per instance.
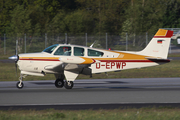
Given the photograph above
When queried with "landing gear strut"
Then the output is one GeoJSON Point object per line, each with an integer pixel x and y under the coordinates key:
{"type": "Point", "coordinates": [20, 84]}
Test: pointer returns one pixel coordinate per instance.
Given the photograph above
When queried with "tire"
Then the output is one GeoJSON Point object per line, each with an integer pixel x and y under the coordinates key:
{"type": "Point", "coordinates": [59, 83]}
{"type": "Point", "coordinates": [69, 86]}
{"type": "Point", "coordinates": [19, 86]}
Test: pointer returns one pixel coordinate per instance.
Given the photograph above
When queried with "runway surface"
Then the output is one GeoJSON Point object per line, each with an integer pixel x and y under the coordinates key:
{"type": "Point", "coordinates": [102, 92]}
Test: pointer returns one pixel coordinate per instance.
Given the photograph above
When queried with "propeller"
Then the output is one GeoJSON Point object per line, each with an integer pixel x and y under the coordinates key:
{"type": "Point", "coordinates": [15, 58]}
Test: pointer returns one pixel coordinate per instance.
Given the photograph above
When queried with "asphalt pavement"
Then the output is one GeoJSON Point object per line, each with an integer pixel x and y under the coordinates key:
{"type": "Point", "coordinates": [100, 93]}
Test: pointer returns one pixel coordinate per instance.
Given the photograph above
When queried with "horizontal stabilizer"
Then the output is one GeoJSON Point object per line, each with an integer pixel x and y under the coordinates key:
{"type": "Point", "coordinates": [158, 59]}
{"type": "Point", "coordinates": [155, 58]}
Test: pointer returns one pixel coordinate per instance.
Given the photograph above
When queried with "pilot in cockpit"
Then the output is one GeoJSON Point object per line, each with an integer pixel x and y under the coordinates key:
{"type": "Point", "coordinates": [65, 50]}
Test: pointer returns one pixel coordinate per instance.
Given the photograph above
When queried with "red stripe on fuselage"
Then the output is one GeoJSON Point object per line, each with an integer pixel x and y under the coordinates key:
{"type": "Point", "coordinates": [155, 60]}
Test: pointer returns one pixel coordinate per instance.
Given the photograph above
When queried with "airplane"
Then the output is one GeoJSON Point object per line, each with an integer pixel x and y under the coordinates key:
{"type": "Point", "coordinates": [67, 61]}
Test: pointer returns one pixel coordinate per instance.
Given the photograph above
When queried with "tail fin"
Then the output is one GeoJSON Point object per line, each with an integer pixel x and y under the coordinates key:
{"type": "Point", "coordinates": [159, 45]}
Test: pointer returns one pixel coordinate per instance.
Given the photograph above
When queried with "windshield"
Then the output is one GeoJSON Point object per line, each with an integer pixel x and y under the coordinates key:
{"type": "Point", "coordinates": [50, 49]}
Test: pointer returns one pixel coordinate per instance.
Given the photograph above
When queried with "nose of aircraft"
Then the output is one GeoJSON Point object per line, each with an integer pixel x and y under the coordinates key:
{"type": "Point", "coordinates": [14, 57]}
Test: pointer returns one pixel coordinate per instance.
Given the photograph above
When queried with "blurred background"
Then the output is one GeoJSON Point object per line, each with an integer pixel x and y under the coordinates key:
{"type": "Point", "coordinates": [116, 24]}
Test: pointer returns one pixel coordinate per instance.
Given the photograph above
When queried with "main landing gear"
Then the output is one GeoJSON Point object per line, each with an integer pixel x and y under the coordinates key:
{"type": "Point", "coordinates": [59, 83]}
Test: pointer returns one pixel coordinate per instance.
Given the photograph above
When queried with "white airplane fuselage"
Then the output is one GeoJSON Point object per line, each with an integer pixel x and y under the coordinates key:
{"type": "Point", "coordinates": [40, 63]}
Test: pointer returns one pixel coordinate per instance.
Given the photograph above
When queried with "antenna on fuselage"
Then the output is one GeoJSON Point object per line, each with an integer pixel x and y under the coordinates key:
{"type": "Point", "coordinates": [92, 44]}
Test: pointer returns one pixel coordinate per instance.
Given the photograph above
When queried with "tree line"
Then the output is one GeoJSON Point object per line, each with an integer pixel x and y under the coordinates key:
{"type": "Point", "coordinates": [88, 16]}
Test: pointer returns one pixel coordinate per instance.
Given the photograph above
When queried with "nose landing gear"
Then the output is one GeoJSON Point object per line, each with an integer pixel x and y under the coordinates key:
{"type": "Point", "coordinates": [20, 84]}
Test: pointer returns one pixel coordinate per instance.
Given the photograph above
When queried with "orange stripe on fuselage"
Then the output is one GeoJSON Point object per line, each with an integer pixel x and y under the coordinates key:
{"type": "Point", "coordinates": [87, 60]}
{"type": "Point", "coordinates": [128, 57]}
{"type": "Point", "coordinates": [40, 58]}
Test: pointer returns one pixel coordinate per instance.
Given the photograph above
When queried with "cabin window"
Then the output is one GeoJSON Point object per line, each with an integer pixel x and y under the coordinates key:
{"type": "Point", "coordinates": [95, 53]}
{"type": "Point", "coordinates": [78, 51]}
{"type": "Point", "coordinates": [63, 50]}
{"type": "Point", "coordinates": [50, 49]}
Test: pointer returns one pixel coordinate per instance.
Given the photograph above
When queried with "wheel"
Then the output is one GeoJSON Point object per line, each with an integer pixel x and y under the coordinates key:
{"type": "Point", "coordinates": [59, 83]}
{"type": "Point", "coordinates": [19, 85]}
{"type": "Point", "coordinates": [69, 84]}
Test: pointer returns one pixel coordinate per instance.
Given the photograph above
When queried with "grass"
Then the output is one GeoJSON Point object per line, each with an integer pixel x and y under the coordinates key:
{"type": "Point", "coordinates": [174, 55]}
{"type": "Point", "coordinates": [172, 69]}
{"type": "Point", "coordinates": [116, 114]}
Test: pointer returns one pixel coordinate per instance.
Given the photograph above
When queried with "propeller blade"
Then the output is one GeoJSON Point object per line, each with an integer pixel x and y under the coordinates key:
{"type": "Point", "coordinates": [16, 67]}
{"type": "Point", "coordinates": [16, 47]}
{"type": "Point", "coordinates": [15, 58]}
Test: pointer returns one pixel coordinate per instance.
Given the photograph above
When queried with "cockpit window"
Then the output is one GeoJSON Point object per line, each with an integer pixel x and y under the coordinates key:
{"type": "Point", "coordinates": [95, 53]}
{"type": "Point", "coordinates": [63, 50]}
{"type": "Point", "coordinates": [50, 49]}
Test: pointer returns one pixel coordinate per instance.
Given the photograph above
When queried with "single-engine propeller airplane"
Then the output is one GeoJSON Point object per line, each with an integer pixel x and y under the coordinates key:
{"type": "Point", "coordinates": [68, 61]}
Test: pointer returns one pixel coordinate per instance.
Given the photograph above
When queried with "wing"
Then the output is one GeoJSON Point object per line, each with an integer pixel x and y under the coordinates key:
{"type": "Point", "coordinates": [72, 66]}
{"type": "Point", "coordinates": [72, 63]}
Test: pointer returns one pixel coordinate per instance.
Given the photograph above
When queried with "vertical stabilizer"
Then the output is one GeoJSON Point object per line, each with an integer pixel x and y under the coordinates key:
{"type": "Point", "coordinates": [159, 45]}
